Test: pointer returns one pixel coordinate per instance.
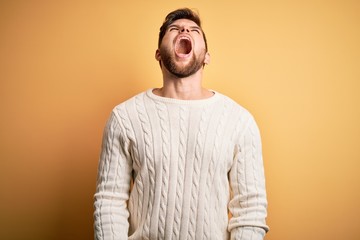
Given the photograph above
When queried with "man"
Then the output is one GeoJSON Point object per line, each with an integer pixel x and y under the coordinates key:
{"type": "Point", "coordinates": [175, 159]}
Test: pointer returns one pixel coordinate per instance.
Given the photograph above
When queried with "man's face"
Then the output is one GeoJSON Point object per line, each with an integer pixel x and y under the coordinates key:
{"type": "Point", "coordinates": [182, 51]}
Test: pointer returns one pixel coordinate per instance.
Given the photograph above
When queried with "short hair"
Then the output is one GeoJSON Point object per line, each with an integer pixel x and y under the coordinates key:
{"type": "Point", "coordinates": [182, 13]}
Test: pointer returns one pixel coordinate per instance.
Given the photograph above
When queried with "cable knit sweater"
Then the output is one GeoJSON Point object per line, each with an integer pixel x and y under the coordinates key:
{"type": "Point", "coordinates": [175, 169]}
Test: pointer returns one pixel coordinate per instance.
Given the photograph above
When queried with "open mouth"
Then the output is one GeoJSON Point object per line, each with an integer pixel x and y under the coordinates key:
{"type": "Point", "coordinates": [183, 46]}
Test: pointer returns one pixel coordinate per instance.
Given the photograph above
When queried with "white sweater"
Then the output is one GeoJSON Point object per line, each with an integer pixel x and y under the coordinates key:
{"type": "Point", "coordinates": [171, 169]}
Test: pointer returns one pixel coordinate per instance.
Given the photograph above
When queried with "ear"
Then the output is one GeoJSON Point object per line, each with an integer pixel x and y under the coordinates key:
{"type": "Point", "coordinates": [157, 55]}
{"type": "Point", "coordinates": [207, 58]}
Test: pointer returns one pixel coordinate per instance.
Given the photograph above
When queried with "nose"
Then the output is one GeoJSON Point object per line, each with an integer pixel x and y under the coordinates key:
{"type": "Point", "coordinates": [184, 29]}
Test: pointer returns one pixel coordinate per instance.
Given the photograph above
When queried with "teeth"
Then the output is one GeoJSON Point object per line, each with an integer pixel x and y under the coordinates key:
{"type": "Point", "coordinates": [184, 37]}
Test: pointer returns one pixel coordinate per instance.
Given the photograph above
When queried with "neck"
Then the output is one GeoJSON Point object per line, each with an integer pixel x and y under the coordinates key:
{"type": "Point", "coordinates": [189, 88]}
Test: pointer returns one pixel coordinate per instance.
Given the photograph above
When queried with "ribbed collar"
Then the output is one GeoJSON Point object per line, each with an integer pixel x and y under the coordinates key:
{"type": "Point", "coordinates": [205, 101]}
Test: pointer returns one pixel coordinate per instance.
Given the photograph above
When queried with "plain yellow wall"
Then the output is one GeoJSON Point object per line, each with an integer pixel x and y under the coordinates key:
{"type": "Point", "coordinates": [64, 65]}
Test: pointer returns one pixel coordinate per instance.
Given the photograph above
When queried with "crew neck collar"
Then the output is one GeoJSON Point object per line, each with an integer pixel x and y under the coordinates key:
{"type": "Point", "coordinates": [155, 97]}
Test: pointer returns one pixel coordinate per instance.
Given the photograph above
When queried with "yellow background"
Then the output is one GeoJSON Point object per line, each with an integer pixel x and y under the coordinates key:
{"type": "Point", "coordinates": [64, 65]}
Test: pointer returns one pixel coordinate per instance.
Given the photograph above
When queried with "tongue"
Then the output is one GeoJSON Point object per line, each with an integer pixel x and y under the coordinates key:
{"type": "Point", "coordinates": [184, 47]}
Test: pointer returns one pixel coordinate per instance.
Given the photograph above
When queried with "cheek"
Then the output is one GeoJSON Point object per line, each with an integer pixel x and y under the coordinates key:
{"type": "Point", "coordinates": [200, 43]}
{"type": "Point", "coordinates": [200, 48]}
{"type": "Point", "coordinates": [168, 37]}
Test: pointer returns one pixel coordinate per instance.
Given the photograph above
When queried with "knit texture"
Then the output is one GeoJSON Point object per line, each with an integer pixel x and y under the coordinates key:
{"type": "Point", "coordinates": [175, 169]}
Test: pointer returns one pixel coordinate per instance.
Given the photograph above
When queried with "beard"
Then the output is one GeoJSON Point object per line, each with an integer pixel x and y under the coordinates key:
{"type": "Point", "coordinates": [177, 70]}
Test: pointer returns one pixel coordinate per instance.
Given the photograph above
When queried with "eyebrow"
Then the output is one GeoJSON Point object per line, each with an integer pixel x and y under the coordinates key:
{"type": "Point", "coordinates": [178, 26]}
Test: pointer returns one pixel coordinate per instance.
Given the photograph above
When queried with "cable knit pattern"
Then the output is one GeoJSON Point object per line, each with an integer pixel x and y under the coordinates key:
{"type": "Point", "coordinates": [196, 171]}
{"type": "Point", "coordinates": [149, 160]}
{"type": "Point", "coordinates": [212, 165]}
{"type": "Point", "coordinates": [124, 121]}
{"type": "Point", "coordinates": [190, 162]}
{"type": "Point", "coordinates": [181, 169]}
{"type": "Point", "coordinates": [162, 114]}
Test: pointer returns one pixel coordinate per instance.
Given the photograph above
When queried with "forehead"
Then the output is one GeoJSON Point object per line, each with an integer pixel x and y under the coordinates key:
{"type": "Point", "coordinates": [184, 22]}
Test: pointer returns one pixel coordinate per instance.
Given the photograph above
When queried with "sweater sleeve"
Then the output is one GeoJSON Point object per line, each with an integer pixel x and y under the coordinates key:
{"type": "Point", "coordinates": [113, 184]}
{"type": "Point", "coordinates": [248, 205]}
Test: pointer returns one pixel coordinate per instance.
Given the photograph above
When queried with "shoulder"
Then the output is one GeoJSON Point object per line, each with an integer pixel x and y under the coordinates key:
{"type": "Point", "coordinates": [131, 100]}
{"type": "Point", "coordinates": [122, 111]}
{"type": "Point", "coordinates": [136, 101]}
{"type": "Point", "coordinates": [237, 110]}
{"type": "Point", "coordinates": [239, 118]}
